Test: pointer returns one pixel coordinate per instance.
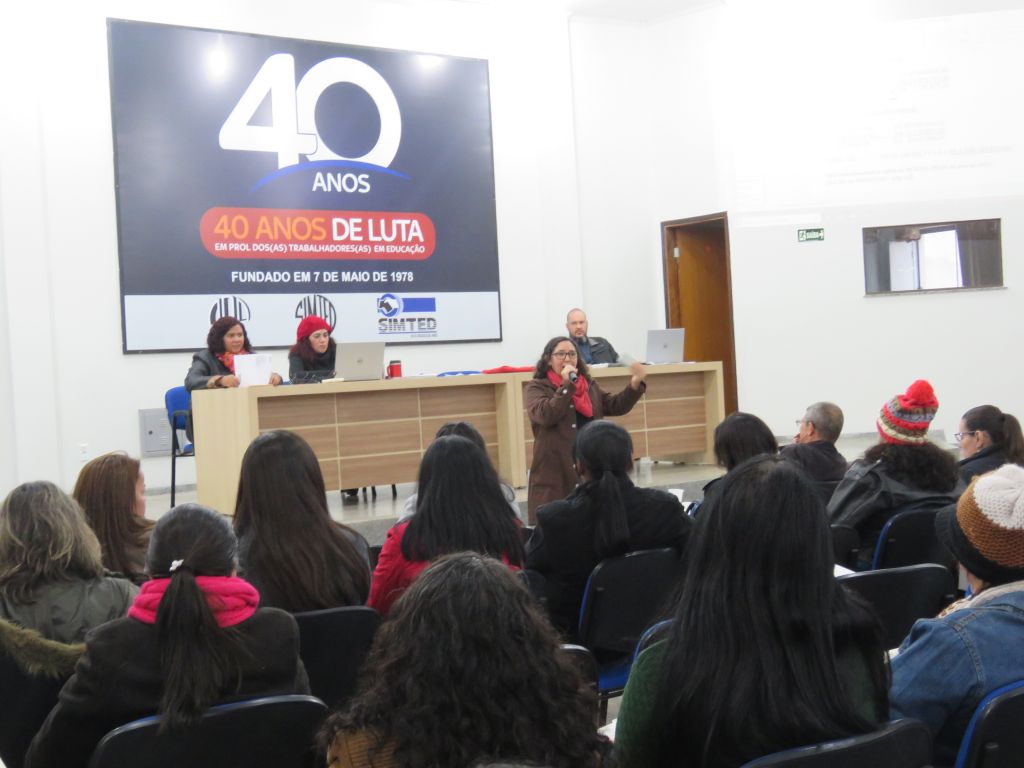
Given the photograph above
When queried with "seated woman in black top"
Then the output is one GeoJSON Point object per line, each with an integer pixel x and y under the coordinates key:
{"type": "Point", "coordinates": [314, 349]}
{"type": "Point", "coordinates": [214, 367]}
{"type": "Point", "coordinates": [195, 636]}
{"type": "Point", "coordinates": [281, 512]}
{"type": "Point", "coordinates": [605, 516]}
{"type": "Point", "coordinates": [988, 439]}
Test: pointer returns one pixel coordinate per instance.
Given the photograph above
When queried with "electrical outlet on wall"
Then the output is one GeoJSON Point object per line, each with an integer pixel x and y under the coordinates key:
{"type": "Point", "coordinates": [83, 452]}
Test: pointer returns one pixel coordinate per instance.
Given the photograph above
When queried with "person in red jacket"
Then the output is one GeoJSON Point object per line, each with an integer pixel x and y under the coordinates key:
{"type": "Point", "coordinates": [460, 507]}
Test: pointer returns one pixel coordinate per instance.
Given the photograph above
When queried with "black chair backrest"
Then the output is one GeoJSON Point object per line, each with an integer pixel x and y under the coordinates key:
{"type": "Point", "coordinates": [898, 744]}
{"type": "Point", "coordinates": [845, 545]}
{"type": "Point", "coordinates": [901, 596]}
{"type": "Point", "coordinates": [908, 537]}
{"type": "Point", "coordinates": [623, 597]}
{"type": "Point", "coordinates": [25, 701]}
{"type": "Point", "coordinates": [994, 738]}
{"type": "Point", "coordinates": [272, 732]}
{"type": "Point", "coordinates": [333, 644]}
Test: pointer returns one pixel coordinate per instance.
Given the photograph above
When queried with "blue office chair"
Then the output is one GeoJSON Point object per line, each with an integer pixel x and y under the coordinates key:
{"type": "Point", "coordinates": [896, 744]}
{"type": "Point", "coordinates": [994, 738]}
{"type": "Point", "coordinates": [178, 402]}
{"type": "Point", "coordinates": [908, 537]}
{"type": "Point", "coordinates": [622, 598]}
{"type": "Point", "coordinates": [270, 732]}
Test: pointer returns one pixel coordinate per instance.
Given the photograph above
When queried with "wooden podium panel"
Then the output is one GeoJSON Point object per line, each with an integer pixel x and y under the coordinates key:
{"type": "Point", "coordinates": [363, 433]}
{"type": "Point", "coordinates": [374, 432]}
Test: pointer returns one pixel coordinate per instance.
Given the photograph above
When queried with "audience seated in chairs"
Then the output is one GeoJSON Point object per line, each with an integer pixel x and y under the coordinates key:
{"type": "Point", "coordinates": [465, 671]}
{"type": "Point", "coordinates": [948, 664]}
{"type": "Point", "coordinates": [51, 570]}
{"type": "Point", "coordinates": [194, 637]}
{"type": "Point", "coordinates": [738, 437]}
{"type": "Point", "coordinates": [460, 507]}
{"type": "Point", "coordinates": [767, 651]}
{"type": "Point", "coordinates": [111, 490]}
{"type": "Point", "coordinates": [903, 468]}
{"type": "Point", "coordinates": [605, 516]}
{"type": "Point", "coordinates": [814, 446]}
{"type": "Point", "coordinates": [282, 510]}
{"type": "Point", "coordinates": [988, 439]}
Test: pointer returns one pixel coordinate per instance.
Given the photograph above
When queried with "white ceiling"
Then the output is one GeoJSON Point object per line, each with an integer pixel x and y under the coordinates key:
{"type": "Point", "coordinates": [625, 10]}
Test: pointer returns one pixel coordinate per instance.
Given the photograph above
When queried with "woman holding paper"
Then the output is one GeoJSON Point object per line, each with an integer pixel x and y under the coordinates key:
{"type": "Point", "coordinates": [214, 367]}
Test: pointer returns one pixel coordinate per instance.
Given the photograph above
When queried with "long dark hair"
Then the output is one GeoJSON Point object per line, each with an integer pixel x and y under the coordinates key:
{"type": "Point", "coordinates": [751, 662]}
{"type": "Point", "coordinates": [106, 490]}
{"type": "Point", "coordinates": [460, 506]}
{"type": "Point", "coordinates": [198, 659]}
{"type": "Point", "coordinates": [1003, 428]}
{"type": "Point", "coordinates": [305, 350]}
{"type": "Point", "coordinates": [924, 466]}
{"type": "Point", "coordinates": [219, 329]}
{"type": "Point", "coordinates": [741, 436]}
{"type": "Point", "coordinates": [44, 538]}
{"type": "Point", "coordinates": [288, 540]}
{"type": "Point", "coordinates": [606, 452]}
{"type": "Point", "coordinates": [466, 667]}
{"type": "Point", "coordinates": [540, 371]}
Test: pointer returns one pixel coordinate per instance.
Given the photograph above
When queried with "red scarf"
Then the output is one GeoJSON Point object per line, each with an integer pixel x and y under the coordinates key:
{"type": "Point", "coordinates": [232, 600]}
{"type": "Point", "coordinates": [581, 397]}
{"type": "Point", "coordinates": [228, 358]}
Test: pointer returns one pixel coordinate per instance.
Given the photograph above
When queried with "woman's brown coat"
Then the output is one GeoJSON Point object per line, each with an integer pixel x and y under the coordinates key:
{"type": "Point", "coordinates": [553, 419]}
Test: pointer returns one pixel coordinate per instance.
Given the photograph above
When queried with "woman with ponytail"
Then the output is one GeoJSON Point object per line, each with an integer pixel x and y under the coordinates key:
{"type": "Point", "coordinates": [194, 637]}
{"type": "Point", "coordinates": [988, 439]}
{"type": "Point", "coordinates": [605, 516]}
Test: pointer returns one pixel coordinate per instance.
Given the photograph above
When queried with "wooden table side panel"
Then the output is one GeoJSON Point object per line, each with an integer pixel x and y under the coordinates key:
{"type": "Point", "coordinates": [376, 405]}
{"type": "Point", "coordinates": [486, 424]}
{"type": "Point", "coordinates": [668, 413]}
{"type": "Point", "coordinates": [450, 401]}
{"type": "Point", "coordinates": [292, 412]}
{"type": "Point", "coordinates": [380, 438]}
{"type": "Point", "coordinates": [364, 471]}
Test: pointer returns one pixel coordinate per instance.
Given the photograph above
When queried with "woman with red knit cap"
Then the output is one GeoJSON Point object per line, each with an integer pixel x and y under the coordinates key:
{"type": "Point", "coordinates": [904, 468]}
{"type": "Point", "coordinates": [314, 349]}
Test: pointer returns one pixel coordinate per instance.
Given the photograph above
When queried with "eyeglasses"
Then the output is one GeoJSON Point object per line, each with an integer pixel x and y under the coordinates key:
{"type": "Point", "coordinates": [961, 435]}
{"type": "Point", "coordinates": [561, 355]}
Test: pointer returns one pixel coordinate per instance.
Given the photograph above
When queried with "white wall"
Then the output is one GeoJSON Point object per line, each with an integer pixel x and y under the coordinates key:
{"type": "Point", "coordinates": [783, 117]}
{"type": "Point", "coordinates": [69, 382]}
{"type": "Point", "coordinates": [791, 114]}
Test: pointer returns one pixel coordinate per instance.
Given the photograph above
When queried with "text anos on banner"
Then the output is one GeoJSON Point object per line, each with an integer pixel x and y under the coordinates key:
{"type": "Point", "coordinates": [273, 233]}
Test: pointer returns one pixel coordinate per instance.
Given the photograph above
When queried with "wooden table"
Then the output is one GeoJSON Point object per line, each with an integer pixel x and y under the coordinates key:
{"type": "Point", "coordinates": [368, 433]}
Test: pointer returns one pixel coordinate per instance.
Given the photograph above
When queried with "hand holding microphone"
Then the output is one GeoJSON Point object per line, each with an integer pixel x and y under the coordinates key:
{"type": "Point", "coordinates": [569, 372]}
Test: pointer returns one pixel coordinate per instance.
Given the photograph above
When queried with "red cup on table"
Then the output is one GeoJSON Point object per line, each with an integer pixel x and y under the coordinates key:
{"type": "Point", "coordinates": [395, 369]}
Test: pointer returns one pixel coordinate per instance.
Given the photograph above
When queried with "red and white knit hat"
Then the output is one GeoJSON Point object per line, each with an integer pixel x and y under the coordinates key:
{"type": "Point", "coordinates": [985, 531]}
{"type": "Point", "coordinates": [905, 419]}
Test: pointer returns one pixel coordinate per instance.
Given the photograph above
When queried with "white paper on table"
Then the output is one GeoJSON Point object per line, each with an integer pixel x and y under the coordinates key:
{"type": "Point", "coordinates": [252, 370]}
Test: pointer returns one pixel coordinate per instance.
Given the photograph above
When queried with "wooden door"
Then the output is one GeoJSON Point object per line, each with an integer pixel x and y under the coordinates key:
{"type": "Point", "coordinates": [698, 292]}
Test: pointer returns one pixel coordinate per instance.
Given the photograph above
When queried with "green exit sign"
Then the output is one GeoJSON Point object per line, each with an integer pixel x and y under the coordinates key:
{"type": "Point", "coordinates": [806, 235]}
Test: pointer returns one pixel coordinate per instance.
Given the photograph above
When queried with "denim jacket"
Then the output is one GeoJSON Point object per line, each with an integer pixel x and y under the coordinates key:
{"type": "Point", "coordinates": [946, 666]}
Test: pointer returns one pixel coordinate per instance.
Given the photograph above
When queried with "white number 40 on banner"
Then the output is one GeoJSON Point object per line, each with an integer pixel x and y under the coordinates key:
{"type": "Point", "coordinates": [293, 111]}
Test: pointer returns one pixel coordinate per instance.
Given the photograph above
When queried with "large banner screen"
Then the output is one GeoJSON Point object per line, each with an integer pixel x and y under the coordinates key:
{"type": "Point", "coordinates": [270, 178]}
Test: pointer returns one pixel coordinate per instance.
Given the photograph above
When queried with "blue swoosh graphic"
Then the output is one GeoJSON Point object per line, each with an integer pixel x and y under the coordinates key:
{"type": "Point", "coordinates": [318, 164]}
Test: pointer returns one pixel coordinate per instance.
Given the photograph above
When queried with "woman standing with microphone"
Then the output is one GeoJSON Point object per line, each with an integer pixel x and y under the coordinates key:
{"type": "Point", "coordinates": [560, 399]}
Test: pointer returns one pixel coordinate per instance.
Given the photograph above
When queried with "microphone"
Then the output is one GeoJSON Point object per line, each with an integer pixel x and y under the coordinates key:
{"type": "Point", "coordinates": [573, 376]}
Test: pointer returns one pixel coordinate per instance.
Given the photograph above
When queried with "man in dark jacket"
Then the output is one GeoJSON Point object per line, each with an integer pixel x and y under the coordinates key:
{"type": "Point", "coordinates": [814, 447]}
{"type": "Point", "coordinates": [593, 349]}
